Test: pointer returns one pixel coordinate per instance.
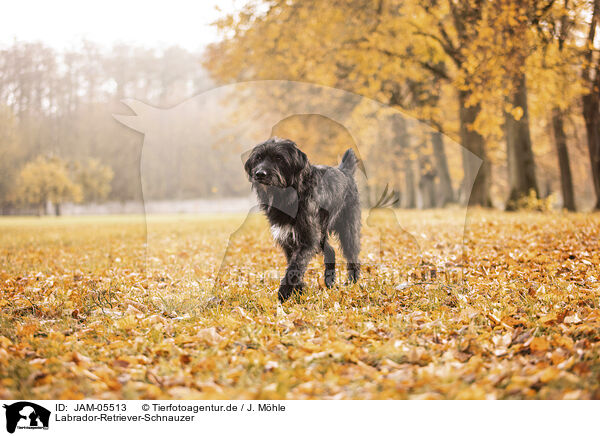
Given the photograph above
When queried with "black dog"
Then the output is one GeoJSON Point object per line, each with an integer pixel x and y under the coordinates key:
{"type": "Point", "coordinates": [304, 204]}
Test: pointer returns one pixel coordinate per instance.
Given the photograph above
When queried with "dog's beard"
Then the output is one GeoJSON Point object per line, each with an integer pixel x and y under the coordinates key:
{"type": "Point", "coordinates": [283, 199]}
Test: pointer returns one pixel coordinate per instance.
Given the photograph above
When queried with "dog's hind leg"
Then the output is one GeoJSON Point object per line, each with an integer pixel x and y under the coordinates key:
{"type": "Point", "coordinates": [348, 230]}
{"type": "Point", "coordinates": [329, 260]}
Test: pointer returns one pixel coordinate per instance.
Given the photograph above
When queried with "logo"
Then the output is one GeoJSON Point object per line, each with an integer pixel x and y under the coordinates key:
{"type": "Point", "coordinates": [26, 415]}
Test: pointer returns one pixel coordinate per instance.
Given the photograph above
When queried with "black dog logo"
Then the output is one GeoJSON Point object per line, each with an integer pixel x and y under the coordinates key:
{"type": "Point", "coordinates": [24, 414]}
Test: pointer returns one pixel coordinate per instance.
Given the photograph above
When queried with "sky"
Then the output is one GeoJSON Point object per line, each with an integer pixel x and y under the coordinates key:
{"type": "Point", "coordinates": [64, 23]}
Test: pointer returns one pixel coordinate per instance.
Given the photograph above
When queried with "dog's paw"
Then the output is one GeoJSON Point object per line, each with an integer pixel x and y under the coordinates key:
{"type": "Point", "coordinates": [329, 278]}
{"type": "Point", "coordinates": [286, 291]}
{"type": "Point", "coordinates": [353, 273]}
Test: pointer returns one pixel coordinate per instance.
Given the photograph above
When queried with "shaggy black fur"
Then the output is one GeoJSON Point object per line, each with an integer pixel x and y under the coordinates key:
{"type": "Point", "coordinates": [304, 204]}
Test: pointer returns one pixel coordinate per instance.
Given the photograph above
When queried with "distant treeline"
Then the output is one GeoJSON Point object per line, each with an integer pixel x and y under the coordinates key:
{"type": "Point", "coordinates": [59, 105]}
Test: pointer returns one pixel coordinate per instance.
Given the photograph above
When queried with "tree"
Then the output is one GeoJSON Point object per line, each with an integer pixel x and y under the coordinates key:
{"type": "Point", "coordinates": [452, 30]}
{"type": "Point", "coordinates": [561, 30]}
{"type": "Point", "coordinates": [591, 99]}
{"type": "Point", "coordinates": [514, 19]}
{"type": "Point", "coordinates": [94, 179]}
{"type": "Point", "coordinates": [425, 97]}
{"type": "Point", "coordinates": [519, 149]}
{"type": "Point", "coordinates": [446, 193]}
{"type": "Point", "coordinates": [10, 155]}
{"type": "Point", "coordinates": [560, 141]}
{"type": "Point", "coordinates": [553, 62]}
{"type": "Point", "coordinates": [47, 180]}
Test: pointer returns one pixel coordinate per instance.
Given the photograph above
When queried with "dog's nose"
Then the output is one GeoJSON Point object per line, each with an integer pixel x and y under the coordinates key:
{"type": "Point", "coordinates": [260, 174]}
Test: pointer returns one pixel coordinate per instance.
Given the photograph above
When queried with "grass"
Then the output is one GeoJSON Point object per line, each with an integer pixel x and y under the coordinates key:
{"type": "Point", "coordinates": [171, 307]}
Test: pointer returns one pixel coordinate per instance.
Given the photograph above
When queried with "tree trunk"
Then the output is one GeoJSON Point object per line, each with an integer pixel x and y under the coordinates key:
{"type": "Point", "coordinates": [426, 185]}
{"type": "Point", "coordinates": [474, 143]}
{"type": "Point", "coordinates": [566, 179]}
{"type": "Point", "coordinates": [521, 166]}
{"type": "Point", "coordinates": [591, 114]}
{"type": "Point", "coordinates": [57, 209]}
{"type": "Point", "coordinates": [446, 194]}
{"type": "Point", "coordinates": [409, 200]}
{"type": "Point", "coordinates": [399, 185]}
{"type": "Point", "coordinates": [403, 143]}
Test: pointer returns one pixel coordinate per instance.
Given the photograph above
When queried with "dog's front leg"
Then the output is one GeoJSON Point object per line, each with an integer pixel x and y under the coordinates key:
{"type": "Point", "coordinates": [292, 280]}
{"type": "Point", "coordinates": [329, 258]}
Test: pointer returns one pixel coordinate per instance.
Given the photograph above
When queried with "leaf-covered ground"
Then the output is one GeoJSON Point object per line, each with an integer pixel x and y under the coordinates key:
{"type": "Point", "coordinates": [88, 308]}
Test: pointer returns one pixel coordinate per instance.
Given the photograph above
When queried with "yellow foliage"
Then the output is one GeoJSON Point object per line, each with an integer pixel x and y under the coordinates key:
{"type": "Point", "coordinates": [47, 180]}
{"type": "Point", "coordinates": [531, 202]}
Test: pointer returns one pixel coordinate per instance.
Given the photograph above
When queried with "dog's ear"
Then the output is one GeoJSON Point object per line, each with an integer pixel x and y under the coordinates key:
{"type": "Point", "coordinates": [248, 163]}
{"type": "Point", "coordinates": [245, 156]}
{"type": "Point", "coordinates": [301, 159]}
{"type": "Point", "coordinates": [301, 168]}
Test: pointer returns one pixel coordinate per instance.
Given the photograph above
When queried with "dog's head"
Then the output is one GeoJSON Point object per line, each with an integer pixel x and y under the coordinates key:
{"type": "Point", "coordinates": [277, 162]}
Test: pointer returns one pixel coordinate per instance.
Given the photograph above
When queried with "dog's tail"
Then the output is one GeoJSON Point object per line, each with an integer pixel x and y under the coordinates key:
{"type": "Point", "coordinates": [349, 162]}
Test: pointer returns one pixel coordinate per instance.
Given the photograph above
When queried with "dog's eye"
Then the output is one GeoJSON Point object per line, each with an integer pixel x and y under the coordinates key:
{"type": "Point", "coordinates": [279, 158]}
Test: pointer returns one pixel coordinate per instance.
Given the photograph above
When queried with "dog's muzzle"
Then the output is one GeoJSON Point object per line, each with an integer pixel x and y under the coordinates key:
{"type": "Point", "coordinates": [260, 175]}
